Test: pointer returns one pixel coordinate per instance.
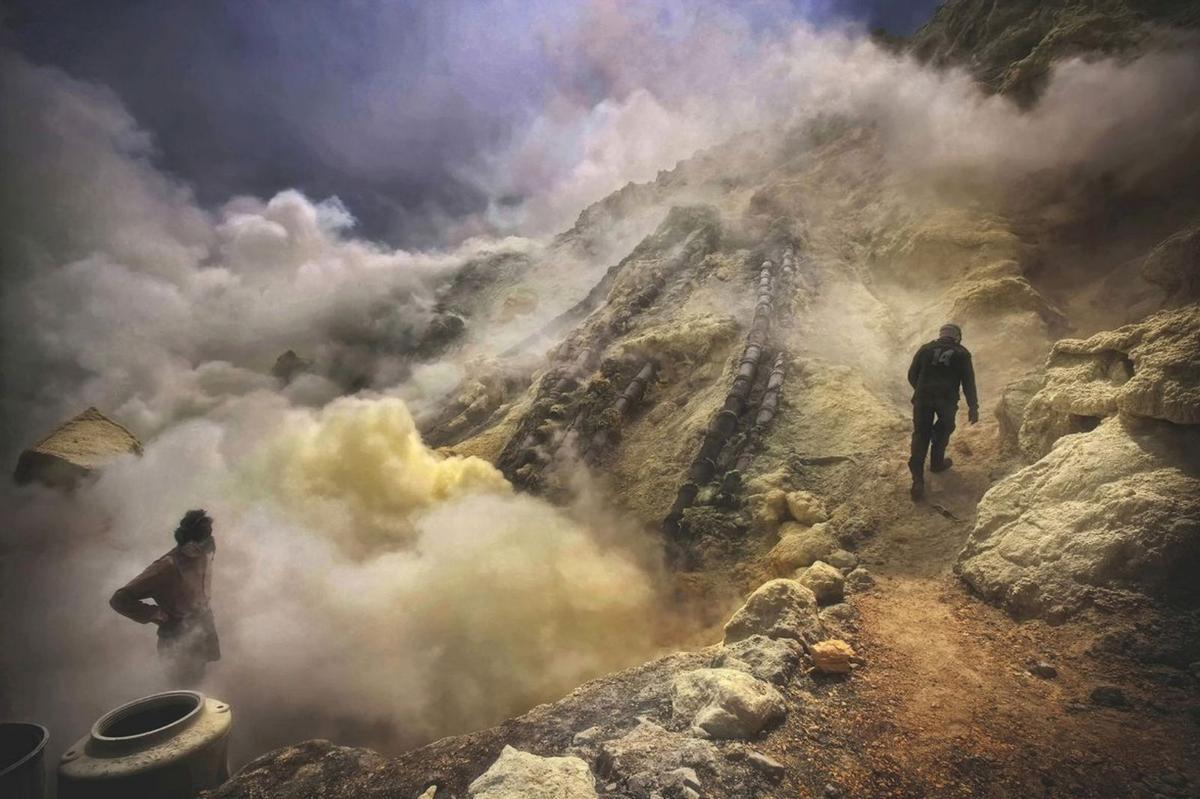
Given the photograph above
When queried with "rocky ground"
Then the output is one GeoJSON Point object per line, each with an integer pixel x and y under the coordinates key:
{"type": "Point", "coordinates": [944, 696]}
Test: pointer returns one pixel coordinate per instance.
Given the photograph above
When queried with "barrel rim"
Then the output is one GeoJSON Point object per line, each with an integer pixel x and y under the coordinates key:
{"type": "Point", "coordinates": [31, 754]}
{"type": "Point", "coordinates": [124, 710]}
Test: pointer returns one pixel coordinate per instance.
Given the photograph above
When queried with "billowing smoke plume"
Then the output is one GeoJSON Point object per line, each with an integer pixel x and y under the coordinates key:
{"type": "Point", "coordinates": [365, 589]}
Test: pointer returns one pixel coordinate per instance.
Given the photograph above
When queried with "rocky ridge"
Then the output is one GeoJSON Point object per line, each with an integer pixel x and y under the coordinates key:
{"type": "Point", "coordinates": [681, 726]}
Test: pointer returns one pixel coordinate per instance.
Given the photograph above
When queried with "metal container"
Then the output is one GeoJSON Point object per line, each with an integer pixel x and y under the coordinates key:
{"type": "Point", "coordinates": [170, 746]}
{"type": "Point", "coordinates": [22, 766]}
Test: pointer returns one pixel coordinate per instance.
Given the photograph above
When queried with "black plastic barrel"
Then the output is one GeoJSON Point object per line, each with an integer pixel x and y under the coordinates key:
{"type": "Point", "coordinates": [22, 768]}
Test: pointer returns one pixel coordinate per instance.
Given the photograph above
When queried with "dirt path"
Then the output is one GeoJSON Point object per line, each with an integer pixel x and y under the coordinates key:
{"type": "Point", "coordinates": [946, 705]}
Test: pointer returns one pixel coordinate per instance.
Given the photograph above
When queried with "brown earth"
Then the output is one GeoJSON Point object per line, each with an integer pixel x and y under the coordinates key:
{"type": "Point", "coordinates": [946, 706]}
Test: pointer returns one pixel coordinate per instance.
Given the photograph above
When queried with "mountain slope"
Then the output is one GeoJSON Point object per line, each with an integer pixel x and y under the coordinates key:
{"type": "Point", "coordinates": [1010, 45]}
{"type": "Point", "coordinates": [734, 385]}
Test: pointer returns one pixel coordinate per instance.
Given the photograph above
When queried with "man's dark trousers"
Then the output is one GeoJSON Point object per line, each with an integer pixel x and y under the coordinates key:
{"type": "Point", "coordinates": [933, 422]}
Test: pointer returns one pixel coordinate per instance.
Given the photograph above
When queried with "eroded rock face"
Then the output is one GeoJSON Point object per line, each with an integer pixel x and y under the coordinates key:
{"type": "Point", "coordinates": [1148, 369]}
{"type": "Point", "coordinates": [521, 775]}
{"type": "Point", "coordinates": [777, 609]}
{"type": "Point", "coordinates": [725, 703]}
{"type": "Point", "coordinates": [311, 768]}
{"type": "Point", "coordinates": [1010, 410]}
{"type": "Point", "coordinates": [1114, 509]}
{"type": "Point", "coordinates": [1174, 265]}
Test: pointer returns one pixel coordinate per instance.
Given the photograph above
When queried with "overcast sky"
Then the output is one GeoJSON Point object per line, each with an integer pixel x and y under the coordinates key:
{"type": "Point", "coordinates": [390, 106]}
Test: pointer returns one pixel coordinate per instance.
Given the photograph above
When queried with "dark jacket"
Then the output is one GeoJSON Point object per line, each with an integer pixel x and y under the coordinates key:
{"type": "Point", "coordinates": [937, 371]}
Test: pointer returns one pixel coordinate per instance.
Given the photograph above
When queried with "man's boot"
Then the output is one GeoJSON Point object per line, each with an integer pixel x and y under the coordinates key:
{"type": "Point", "coordinates": [942, 466]}
{"type": "Point", "coordinates": [918, 482]}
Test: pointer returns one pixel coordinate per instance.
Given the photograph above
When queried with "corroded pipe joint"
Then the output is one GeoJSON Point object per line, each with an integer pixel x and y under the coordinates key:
{"type": "Point", "coordinates": [726, 422]}
{"type": "Point", "coordinates": [702, 471]}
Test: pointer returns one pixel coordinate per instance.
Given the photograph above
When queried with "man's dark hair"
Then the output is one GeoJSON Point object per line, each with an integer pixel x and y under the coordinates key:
{"type": "Point", "coordinates": [196, 525]}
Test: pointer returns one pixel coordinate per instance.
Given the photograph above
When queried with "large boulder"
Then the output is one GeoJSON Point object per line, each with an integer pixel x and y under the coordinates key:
{"type": "Point", "coordinates": [1148, 369]}
{"type": "Point", "coordinates": [777, 609]}
{"type": "Point", "coordinates": [1114, 509]}
{"type": "Point", "coordinates": [770, 659]}
{"type": "Point", "coordinates": [521, 775]}
{"type": "Point", "coordinates": [75, 450]}
{"type": "Point", "coordinates": [650, 758]}
{"type": "Point", "coordinates": [800, 546]}
{"type": "Point", "coordinates": [725, 703]}
{"type": "Point", "coordinates": [825, 581]}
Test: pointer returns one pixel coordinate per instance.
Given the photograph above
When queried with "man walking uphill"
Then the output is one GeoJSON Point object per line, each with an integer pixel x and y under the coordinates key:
{"type": "Point", "coordinates": [937, 371]}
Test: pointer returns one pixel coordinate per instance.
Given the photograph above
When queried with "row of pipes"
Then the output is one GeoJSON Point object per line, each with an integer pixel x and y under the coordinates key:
{"type": "Point", "coordinates": [635, 389]}
{"type": "Point", "coordinates": [704, 466]}
{"type": "Point", "coordinates": [533, 445]}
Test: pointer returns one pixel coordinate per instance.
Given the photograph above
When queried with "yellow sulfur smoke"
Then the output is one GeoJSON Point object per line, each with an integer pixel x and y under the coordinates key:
{"type": "Point", "coordinates": [412, 595]}
{"type": "Point", "coordinates": [359, 471]}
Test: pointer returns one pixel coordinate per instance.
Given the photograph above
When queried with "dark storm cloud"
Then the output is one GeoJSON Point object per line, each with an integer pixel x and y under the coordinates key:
{"type": "Point", "coordinates": [895, 16]}
{"type": "Point", "coordinates": [389, 106]}
{"type": "Point", "coordinates": [378, 103]}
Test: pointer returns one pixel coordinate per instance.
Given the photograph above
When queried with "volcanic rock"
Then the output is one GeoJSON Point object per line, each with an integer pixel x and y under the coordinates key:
{"type": "Point", "coordinates": [1115, 509]}
{"type": "Point", "coordinates": [770, 659]}
{"type": "Point", "coordinates": [521, 775]}
{"type": "Point", "coordinates": [767, 764]}
{"type": "Point", "coordinates": [1010, 410]}
{"type": "Point", "coordinates": [1147, 369]}
{"type": "Point", "coordinates": [826, 582]}
{"type": "Point", "coordinates": [859, 580]}
{"type": "Point", "coordinates": [842, 559]}
{"type": "Point", "coordinates": [769, 508]}
{"type": "Point", "coordinates": [779, 608]}
{"type": "Point", "coordinates": [649, 757]}
{"type": "Point", "coordinates": [832, 657]}
{"type": "Point", "coordinates": [76, 449]}
{"type": "Point", "coordinates": [725, 703]}
{"type": "Point", "coordinates": [1043, 670]}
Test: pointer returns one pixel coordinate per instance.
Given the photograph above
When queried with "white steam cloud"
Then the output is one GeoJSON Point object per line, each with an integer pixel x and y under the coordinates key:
{"type": "Point", "coordinates": [686, 76]}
